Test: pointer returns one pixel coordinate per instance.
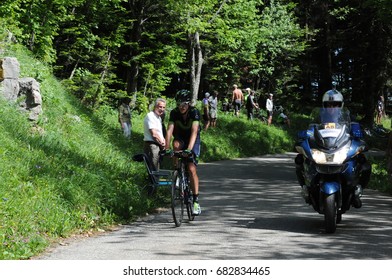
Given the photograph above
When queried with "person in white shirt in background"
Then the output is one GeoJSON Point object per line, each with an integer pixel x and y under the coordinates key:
{"type": "Point", "coordinates": [269, 106]}
{"type": "Point", "coordinates": [154, 138]}
{"type": "Point", "coordinates": [213, 108]}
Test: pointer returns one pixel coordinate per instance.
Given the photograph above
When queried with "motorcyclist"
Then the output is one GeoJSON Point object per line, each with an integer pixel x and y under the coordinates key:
{"type": "Point", "coordinates": [333, 111]}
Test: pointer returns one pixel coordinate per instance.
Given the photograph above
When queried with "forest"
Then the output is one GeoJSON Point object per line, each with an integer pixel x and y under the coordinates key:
{"type": "Point", "coordinates": [105, 50]}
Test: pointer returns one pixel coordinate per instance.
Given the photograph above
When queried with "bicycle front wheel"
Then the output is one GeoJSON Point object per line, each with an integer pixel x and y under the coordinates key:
{"type": "Point", "coordinates": [177, 199]}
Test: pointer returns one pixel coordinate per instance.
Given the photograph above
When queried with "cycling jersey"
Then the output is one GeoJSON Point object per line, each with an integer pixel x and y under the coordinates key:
{"type": "Point", "coordinates": [183, 127]}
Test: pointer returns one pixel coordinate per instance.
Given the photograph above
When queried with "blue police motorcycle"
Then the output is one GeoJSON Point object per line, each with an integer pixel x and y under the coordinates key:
{"type": "Point", "coordinates": [331, 166]}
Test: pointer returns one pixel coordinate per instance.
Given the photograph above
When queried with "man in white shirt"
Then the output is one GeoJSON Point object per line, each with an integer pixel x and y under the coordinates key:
{"type": "Point", "coordinates": [154, 139]}
{"type": "Point", "coordinates": [269, 106]}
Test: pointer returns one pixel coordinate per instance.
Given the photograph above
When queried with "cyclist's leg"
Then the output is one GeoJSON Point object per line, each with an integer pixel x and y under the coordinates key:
{"type": "Point", "coordinates": [194, 178]}
{"type": "Point", "coordinates": [178, 145]}
{"type": "Point", "coordinates": [192, 167]}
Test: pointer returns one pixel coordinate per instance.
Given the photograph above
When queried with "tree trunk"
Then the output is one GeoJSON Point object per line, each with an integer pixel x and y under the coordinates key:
{"type": "Point", "coordinates": [196, 65]}
{"type": "Point", "coordinates": [135, 37]}
{"type": "Point", "coordinates": [373, 76]}
{"type": "Point", "coordinates": [74, 70]}
{"type": "Point", "coordinates": [97, 97]}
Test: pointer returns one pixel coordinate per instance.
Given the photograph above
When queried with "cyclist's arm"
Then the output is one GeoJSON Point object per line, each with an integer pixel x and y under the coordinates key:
{"type": "Point", "coordinates": [192, 139]}
{"type": "Point", "coordinates": [169, 134]}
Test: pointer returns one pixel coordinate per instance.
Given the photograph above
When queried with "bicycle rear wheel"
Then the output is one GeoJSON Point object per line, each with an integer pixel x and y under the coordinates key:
{"type": "Point", "coordinates": [177, 199]}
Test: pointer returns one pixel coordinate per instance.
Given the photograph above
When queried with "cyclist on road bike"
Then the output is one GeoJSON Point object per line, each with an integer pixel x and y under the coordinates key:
{"type": "Point", "coordinates": [184, 127]}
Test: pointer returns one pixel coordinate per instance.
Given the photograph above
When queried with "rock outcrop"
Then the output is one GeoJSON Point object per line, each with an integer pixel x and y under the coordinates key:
{"type": "Point", "coordinates": [23, 91]}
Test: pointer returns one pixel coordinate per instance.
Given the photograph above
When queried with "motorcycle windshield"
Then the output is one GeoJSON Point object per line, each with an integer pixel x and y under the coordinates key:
{"type": "Point", "coordinates": [331, 131]}
{"type": "Point", "coordinates": [334, 115]}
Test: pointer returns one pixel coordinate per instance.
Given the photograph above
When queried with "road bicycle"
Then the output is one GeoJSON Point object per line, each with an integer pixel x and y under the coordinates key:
{"type": "Point", "coordinates": [177, 179]}
{"type": "Point", "coordinates": [181, 193]}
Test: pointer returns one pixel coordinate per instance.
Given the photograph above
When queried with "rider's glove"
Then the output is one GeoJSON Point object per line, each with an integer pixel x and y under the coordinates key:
{"type": "Point", "coordinates": [187, 152]}
{"type": "Point", "coordinates": [168, 152]}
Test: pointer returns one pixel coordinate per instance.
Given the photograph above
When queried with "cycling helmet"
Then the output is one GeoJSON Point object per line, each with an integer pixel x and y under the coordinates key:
{"type": "Point", "coordinates": [183, 96]}
{"type": "Point", "coordinates": [333, 98]}
{"type": "Point", "coordinates": [207, 94]}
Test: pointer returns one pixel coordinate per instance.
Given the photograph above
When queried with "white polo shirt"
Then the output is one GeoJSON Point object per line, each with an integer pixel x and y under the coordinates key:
{"type": "Point", "coordinates": [152, 121]}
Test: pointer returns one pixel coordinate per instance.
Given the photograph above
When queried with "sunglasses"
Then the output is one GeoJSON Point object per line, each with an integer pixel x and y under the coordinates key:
{"type": "Point", "coordinates": [182, 104]}
{"type": "Point", "coordinates": [332, 104]}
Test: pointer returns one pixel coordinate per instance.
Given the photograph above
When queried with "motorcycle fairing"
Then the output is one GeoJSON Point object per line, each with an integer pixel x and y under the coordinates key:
{"type": "Point", "coordinates": [357, 146]}
{"type": "Point", "coordinates": [330, 187]}
{"type": "Point", "coordinates": [304, 148]}
{"type": "Point", "coordinates": [331, 138]}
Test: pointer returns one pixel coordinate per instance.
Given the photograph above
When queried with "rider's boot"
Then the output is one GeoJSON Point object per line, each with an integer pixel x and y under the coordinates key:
{"type": "Point", "coordinates": [357, 203]}
{"type": "Point", "coordinates": [364, 170]}
{"type": "Point", "coordinates": [299, 170]}
{"type": "Point", "coordinates": [305, 193]}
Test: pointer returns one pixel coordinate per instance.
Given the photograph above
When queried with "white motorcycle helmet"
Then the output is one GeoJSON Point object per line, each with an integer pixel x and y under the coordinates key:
{"type": "Point", "coordinates": [333, 98]}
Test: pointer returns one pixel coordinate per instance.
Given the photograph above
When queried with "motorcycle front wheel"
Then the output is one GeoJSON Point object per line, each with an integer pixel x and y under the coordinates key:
{"type": "Point", "coordinates": [330, 213]}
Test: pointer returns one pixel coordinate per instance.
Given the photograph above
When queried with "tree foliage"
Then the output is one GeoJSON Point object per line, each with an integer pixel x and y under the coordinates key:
{"type": "Point", "coordinates": [106, 50]}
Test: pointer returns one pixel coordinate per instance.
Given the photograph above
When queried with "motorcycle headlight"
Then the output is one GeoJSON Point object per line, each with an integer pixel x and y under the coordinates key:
{"type": "Point", "coordinates": [319, 156]}
{"type": "Point", "coordinates": [338, 157]}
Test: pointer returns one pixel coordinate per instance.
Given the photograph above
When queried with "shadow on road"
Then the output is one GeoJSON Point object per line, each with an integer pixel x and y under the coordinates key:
{"type": "Point", "coordinates": [252, 209]}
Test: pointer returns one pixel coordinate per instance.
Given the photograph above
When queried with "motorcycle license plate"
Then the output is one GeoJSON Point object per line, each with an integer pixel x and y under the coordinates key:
{"type": "Point", "coordinates": [330, 126]}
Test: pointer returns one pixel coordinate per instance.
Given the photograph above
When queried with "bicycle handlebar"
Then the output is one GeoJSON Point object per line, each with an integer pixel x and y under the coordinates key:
{"type": "Point", "coordinates": [178, 154]}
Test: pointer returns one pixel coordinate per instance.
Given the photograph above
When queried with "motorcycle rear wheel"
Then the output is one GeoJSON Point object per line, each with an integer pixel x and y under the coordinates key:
{"type": "Point", "coordinates": [330, 213]}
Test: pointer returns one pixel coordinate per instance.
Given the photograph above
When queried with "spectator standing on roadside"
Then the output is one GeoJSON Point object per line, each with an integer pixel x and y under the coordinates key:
{"type": "Point", "coordinates": [154, 138]}
{"type": "Point", "coordinates": [283, 115]}
{"type": "Point", "coordinates": [251, 104]}
{"type": "Point", "coordinates": [206, 110]}
{"type": "Point", "coordinates": [380, 109]}
{"type": "Point", "coordinates": [269, 106]}
{"type": "Point", "coordinates": [124, 117]}
{"type": "Point", "coordinates": [248, 91]}
{"type": "Point", "coordinates": [237, 100]}
{"type": "Point", "coordinates": [214, 108]}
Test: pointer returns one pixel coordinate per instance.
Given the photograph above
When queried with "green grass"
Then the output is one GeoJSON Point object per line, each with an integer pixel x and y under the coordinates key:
{"type": "Point", "coordinates": [379, 177]}
{"type": "Point", "coordinates": [74, 172]}
{"type": "Point", "coordinates": [237, 137]}
{"type": "Point", "coordinates": [71, 175]}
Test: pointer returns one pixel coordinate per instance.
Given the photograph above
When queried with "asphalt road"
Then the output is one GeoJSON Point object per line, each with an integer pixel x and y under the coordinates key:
{"type": "Point", "coordinates": [252, 209]}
